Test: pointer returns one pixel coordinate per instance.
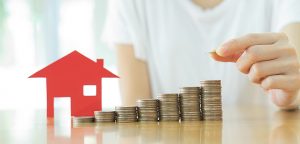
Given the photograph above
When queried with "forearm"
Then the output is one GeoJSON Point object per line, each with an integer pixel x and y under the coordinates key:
{"type": "Point", "coordinates": [134, 78]}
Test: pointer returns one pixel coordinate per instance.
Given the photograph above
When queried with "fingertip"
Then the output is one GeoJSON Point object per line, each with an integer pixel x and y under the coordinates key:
{"type": "Point", "coordinates": [226, 49]}
{"type": "Point", "coordinates": [213, 55]}
{"type": "Point", "coordinates": [216, 57]}
{"type": "Point", "coordinates": [221, 51]}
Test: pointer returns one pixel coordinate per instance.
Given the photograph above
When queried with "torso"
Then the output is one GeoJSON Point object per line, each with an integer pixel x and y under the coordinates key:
{"type": "Point", "coordinates": [180, 34]}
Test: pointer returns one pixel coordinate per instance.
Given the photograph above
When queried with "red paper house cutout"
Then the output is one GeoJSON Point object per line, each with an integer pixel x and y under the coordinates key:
{"type": "Point", "coordinates": [66, 78]}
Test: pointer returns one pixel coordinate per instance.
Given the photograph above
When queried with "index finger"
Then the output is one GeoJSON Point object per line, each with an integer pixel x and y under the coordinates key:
{"type": "Point", "coordinates": [239, 45]}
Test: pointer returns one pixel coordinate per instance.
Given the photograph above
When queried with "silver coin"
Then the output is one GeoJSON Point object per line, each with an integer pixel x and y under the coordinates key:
{"type": "Point", "coordinates": [83, 119]}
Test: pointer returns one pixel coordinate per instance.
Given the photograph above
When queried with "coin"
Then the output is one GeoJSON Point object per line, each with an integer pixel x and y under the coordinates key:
{"type": "Point", "coordinates": [169, 107]}
{"type": "Point", "coordinates": [211, 100]}
{"type": "Point", "coordinates": [148, 109]}
{"type": "Point", "coordinates": [126, 114]}
{"type": "Point", "coordinates": [105, 116]}
{"type": "Point", "coordinates": [190, 102]}
{"type": "Point", "coordinates": [83, 119]}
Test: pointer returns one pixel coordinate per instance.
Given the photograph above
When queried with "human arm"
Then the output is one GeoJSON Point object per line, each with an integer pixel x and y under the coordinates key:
{"type": "Point", "coordinates": [134, 77]}
{"type": "Point", "coordinates": [270, 60]}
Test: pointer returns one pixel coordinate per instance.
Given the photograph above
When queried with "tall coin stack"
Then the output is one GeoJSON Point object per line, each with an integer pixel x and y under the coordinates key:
{"type": "Point", "coordinates": [104, 116]}
{"type": "Point", "coordinates": [168, 107]}
{"type": "Point", "coordinates": [190, 103]}
{"type": "Point", "coordinates": [147, 110]}
{"type": "Point", "coordinates": [211, 99]}
{"type": "Point", "coordinates": [126, 114]}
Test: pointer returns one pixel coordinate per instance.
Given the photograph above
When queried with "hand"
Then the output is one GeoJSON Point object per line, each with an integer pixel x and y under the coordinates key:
{"type": "Point", "coordinates": [269, 60]}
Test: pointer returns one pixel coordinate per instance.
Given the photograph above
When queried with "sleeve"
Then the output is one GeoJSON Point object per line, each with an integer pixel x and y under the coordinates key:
{"type": "Point", "coordinates": [285, 12]}
{"type": "Point", "coordinates": [124, 25]}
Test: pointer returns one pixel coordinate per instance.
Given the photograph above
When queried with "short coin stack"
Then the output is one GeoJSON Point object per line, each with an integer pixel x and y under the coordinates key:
{"type": "Point", "coordinates": [169, 109]}
{"type": "Point", "coordinates": [211, 99]}
{"type": "Point", "coordinates": [83, 119]}
{"type": "Point", "coordinates": [190, 103]}
{"type": "Point", "coordinates": [104, 116]}
{"type": "Point", "coordinates": [147, 110]}
{"type": "Point", "coordinates": [126, 114]}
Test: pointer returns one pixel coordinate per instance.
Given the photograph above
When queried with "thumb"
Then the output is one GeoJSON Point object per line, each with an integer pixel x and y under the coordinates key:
{"type": "Point", "coordinates": [231, 58]}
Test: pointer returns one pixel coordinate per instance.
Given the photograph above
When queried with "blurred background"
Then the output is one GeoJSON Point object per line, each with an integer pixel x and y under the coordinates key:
{"type": "Point", "coordinates": [35, 33]}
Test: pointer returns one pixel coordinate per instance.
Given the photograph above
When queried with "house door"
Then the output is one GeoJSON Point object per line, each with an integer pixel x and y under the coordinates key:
{"type": "Point", "coordinates": [62, 116]}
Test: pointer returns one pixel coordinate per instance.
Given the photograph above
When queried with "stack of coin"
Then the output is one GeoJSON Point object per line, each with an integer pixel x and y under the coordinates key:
{"type": "Point", "coordinates": [147, 109]}
{"type": "Point", "coordinates": [168, 107]}
{"type": "Point", "coordinates": [211, 99]}
{"type": "Point", "coordinates": [190, 103]}
{"type": "Point", "coordinates": [83, 119]}
{"type": "Point", "coordinates": [104, 116]}
{"type": "Point", "coordinates": [126, 114]}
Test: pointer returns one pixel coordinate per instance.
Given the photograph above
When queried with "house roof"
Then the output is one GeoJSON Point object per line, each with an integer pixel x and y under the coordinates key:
{"type": "Point", "coordinates": [74, 64]}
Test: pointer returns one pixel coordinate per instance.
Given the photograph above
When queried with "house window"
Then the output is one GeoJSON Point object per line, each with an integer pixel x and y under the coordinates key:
{"type": "Point", "coordinates": [89, 90]}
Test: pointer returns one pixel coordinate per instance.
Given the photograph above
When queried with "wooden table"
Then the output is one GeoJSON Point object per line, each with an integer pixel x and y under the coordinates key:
{"type": "Point", "coordinates": [241, 124]}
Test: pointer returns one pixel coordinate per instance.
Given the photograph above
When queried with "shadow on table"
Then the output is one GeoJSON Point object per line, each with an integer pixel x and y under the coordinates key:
{"type": "Point", "coordinates": [286, 126]}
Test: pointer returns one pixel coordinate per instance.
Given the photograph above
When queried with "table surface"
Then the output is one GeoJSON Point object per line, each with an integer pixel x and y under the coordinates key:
{"type": "Point", "coordinates": [241, 124]}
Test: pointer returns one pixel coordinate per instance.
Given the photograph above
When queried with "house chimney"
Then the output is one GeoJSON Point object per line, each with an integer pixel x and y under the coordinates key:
{"type": "Point", "coordinates": [100, 62]}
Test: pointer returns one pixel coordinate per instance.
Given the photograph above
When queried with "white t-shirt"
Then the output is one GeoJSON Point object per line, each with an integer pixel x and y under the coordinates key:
{"type": "Point", "coordinates": [175, 36]}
